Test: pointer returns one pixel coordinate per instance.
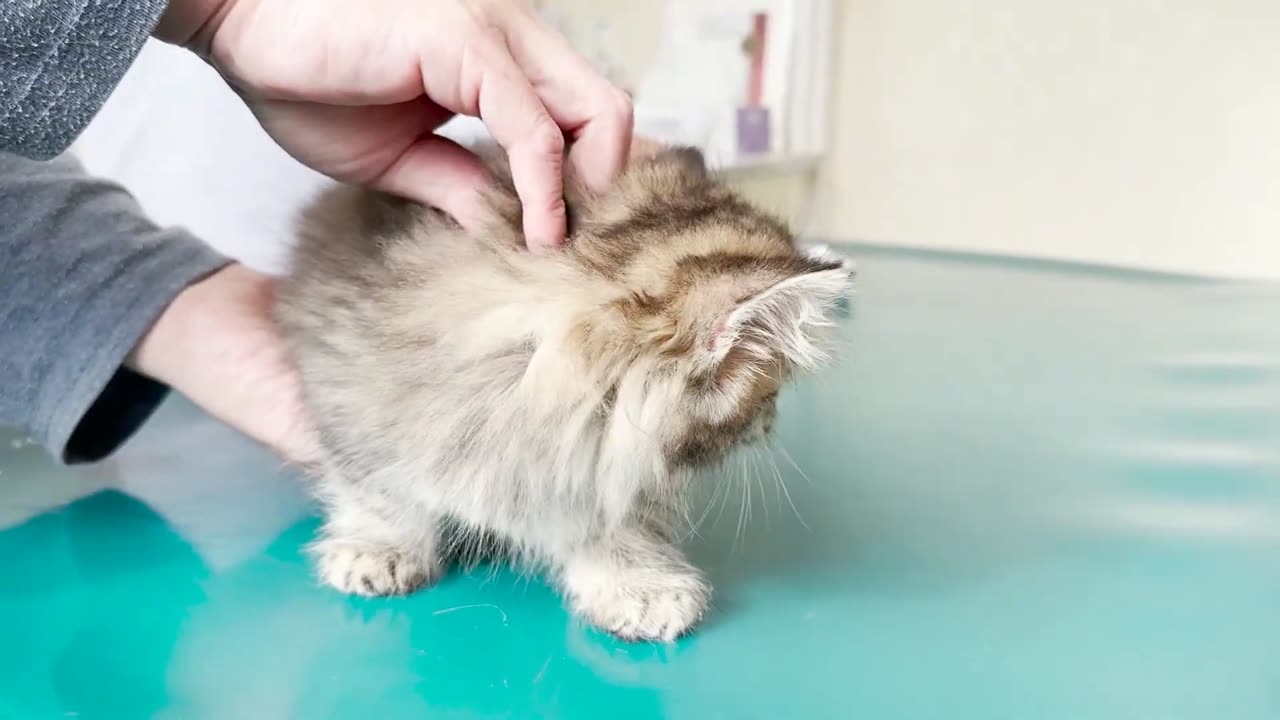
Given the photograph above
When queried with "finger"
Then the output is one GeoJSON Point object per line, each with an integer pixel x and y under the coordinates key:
{"type": "Point", "coordinates": [351, 144]}
{"type": "Point", "coordinates": [535, 146]}
{"type": "Point", "coordinates": [438, 172]}
{"type": "Point", "coordinates": [596, 114]}
{"type": "Point", "coordinates": [643, 147]}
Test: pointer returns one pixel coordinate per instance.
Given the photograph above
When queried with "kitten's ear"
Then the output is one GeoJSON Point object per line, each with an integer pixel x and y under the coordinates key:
{"type": "Point", "coordinates": [787, 319]}
{"type": "Point", "coordinates": [682, 165]}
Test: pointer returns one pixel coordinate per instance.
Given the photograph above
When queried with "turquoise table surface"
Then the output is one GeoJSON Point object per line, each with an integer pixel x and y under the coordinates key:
{"type": "Point", "coordinates": [1028, 491]}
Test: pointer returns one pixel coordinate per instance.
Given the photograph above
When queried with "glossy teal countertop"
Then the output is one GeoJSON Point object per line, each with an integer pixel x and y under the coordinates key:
{"type": "Point", "coordinates": [1032, 492]}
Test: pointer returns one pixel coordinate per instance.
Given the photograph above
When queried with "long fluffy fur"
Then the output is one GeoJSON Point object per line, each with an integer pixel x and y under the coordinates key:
{"type": "Point", "coordinates": [557, 402]}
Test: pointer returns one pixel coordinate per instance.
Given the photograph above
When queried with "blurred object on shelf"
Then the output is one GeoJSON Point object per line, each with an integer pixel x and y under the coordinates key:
{"type": "Point", "coordinates": [700, 81]}
{"type": "Point", "coordinates": [753, 116]}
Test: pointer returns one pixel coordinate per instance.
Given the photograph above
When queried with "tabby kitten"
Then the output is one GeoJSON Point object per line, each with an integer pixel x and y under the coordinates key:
{"type": "Point", "coordinates": [561, 403]}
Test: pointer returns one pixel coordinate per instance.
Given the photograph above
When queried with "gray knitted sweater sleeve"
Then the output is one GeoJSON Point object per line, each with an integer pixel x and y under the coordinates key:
{"type": "Point", "coordinates": [59, 60]}
{"type": "Point", "coordinates": [83, 275]}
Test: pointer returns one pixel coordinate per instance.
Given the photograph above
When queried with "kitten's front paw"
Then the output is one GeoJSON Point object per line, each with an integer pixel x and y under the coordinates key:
{"type": "Point", "coordinates": [640, 603]}
{"type": "Point", "coordinates": [374, 570]}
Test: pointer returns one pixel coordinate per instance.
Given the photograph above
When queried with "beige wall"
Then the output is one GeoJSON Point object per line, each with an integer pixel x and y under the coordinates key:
{"type": "Point", "coordinates": [628, 30]}
{"type": "Point", "coordinates": [1133, 132]}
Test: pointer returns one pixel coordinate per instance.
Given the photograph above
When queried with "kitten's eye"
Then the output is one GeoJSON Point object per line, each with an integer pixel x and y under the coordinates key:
{"type": "Point", "coordinates": [771, 397]}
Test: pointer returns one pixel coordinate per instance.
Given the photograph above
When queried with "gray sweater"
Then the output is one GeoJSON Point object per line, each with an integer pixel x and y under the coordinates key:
{"type": "Point", "coordinates": [83, 273]}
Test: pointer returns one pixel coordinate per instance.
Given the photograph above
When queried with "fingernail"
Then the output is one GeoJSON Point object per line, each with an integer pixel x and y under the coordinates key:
{"type": "Point", "coordinates": [543, 241]}
{"type": "Point", "coordinates": [544, 246]}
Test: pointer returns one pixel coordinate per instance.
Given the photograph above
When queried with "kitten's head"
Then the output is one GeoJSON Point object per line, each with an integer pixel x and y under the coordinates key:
{"type": "Point", "coordinates": [715, 306]}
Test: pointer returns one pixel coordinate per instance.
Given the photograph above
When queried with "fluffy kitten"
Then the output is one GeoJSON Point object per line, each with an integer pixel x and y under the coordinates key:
{"type": "Point", "coordinates": [559, 402]}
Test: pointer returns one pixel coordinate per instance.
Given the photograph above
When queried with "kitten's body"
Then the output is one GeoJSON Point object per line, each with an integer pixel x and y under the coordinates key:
{"type": "Point", "coordinates": [558, 402]}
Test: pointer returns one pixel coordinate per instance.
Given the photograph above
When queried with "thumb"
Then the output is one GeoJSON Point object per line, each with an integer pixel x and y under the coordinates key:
{"type": "Point", "coordinates": [438, 172]}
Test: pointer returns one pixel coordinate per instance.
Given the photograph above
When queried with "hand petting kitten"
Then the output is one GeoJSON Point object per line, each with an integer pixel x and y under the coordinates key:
{"type": "Point", "coordinates": [356, 90]}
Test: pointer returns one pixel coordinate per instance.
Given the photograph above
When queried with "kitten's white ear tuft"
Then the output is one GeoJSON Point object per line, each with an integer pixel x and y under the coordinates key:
{"type": "Point", "coordinates": [822, 252]}
{"type": "Point", "coordinates": [788, 318]}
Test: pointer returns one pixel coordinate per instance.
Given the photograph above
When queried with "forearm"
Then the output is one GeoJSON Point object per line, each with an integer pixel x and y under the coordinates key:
{"type": "Point", "coordinates": [218, 344]}
{"type": "Point", "coordinates": [59, 60]}
{"type": "Point", "coordinates": [83, 277]}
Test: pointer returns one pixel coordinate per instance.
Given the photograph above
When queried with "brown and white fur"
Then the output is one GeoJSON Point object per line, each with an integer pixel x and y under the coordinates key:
{"type": "Point", "coordinates": [560, 403]}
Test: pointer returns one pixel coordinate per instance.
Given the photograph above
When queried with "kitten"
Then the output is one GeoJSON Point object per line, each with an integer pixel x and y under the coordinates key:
{"type": "Point", "coordinates": [560, 402]}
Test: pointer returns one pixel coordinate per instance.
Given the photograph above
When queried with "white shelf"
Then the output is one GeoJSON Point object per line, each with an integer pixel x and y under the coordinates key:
{"type": "Point", "coordinates": [770, 163]}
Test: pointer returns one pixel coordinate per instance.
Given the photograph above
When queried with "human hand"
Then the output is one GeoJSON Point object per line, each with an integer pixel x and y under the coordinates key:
{"type": "Point", "coordinates": [356, 90]}
{"type": "Point", "coordinates": [217, 344]}
{"type": "Point", "coordinates": [643, 147]}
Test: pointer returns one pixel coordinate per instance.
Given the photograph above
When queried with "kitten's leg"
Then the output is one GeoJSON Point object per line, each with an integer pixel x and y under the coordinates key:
{"type": "Point", "coordinates": [636, 585]}
{"type": "Point", "coordinates": [372, 549]}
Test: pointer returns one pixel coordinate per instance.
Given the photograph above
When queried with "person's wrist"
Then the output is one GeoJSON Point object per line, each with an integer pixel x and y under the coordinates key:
{"type": "Point", "coordinates": [217, 344]}
{"type": "Point", "coordinates": [164, 352]}
{"type": "Point", "coordinates": [192, 23]}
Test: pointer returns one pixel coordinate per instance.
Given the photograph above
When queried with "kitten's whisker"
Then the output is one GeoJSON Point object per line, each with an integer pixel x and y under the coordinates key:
{"type": "Point", "coordinates": [777, 485]}
{"type": "Point", "coordinates": [787, 456]}
{"type": "Point", "coordinates": [782, 483]}
{"type": "Point", "coordinates": [743, 504]}
{"type": "Point", "coordinates": [695, 526]}
{"type": "Point", "coordinates": [724, 499]}
{"type": "Point", "coordinates": [773, 468]}
{"type": "Point", "coordinates": [707, 510]}
{"type": "Point", "coordinates": [759, 472]}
